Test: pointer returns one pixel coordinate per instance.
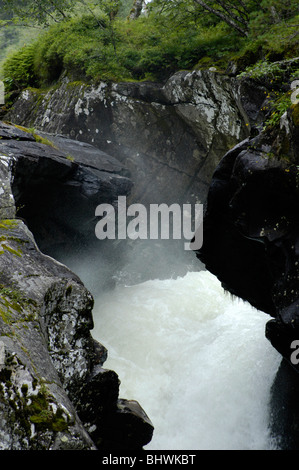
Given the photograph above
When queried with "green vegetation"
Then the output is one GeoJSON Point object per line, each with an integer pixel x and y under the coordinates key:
{"type": "Point", "coordinates": [295, 114]}
{"type": "Point", "coordinates": [11, 36]}
{"type": "Point", "coordinates": [19, 68]}
{"type": "Point", "coordinates": [96, 40]}
{"type": "Point", "coordinates": [29, 407]}
{"type": "Point", "coordinates": [278, 107]}
{"type": "Point", "coordinates": [8, 224]}
{"type": "Point", "coordinates": [274, 73]}
{"type": "Point", "coordinates": [276, 76]}
{"type": "Point", "coordinates": [40, 412]}
{"type": "Point", "coordinates": [38, 138]}
{"type": "Point", "coordinates": [14, 300]}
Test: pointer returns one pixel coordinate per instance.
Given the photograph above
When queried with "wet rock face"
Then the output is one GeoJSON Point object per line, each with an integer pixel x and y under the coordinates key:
{"type": "Point", "coordinates": [162, 133]}
{"type": "Point", "coordinates": [51, 368]}
{"type": "Point", "coordinates": [36, 412]}
{"type": "Point", "coordinates": [58, 186]}
{"type": "Point", "coordinates": [251, 229]}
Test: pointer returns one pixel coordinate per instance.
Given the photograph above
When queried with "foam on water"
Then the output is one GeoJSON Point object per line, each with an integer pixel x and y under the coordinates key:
{"type": "Point", "coordinates": [196, 360]}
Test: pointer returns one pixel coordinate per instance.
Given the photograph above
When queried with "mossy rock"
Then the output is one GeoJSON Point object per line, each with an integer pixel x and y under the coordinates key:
{"type": "Point", "coordinates": [38, 138]}
{"type": "Point", "coordinates": [7, 224]}
{"type": "Point", "coordinates": [295, 114]}
{"type": "Point", "coordinates": [204, 63]}
{"type": "Point", "coordinates": [247, 57]}
{"type": "Point", "coordinates": [42, 415]}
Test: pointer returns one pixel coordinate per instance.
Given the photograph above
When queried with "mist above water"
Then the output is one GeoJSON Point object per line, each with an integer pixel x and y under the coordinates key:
{"type": "Point", "coordinates": [196, 360]}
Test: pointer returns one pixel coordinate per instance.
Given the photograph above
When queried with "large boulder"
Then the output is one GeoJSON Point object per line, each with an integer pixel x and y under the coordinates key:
{"type": "Point", "coordinates": [56, 185]}
{"type": "Point", "coordinates": [176, 131]}
{"type": "Point", "coordinates": [36, 412]}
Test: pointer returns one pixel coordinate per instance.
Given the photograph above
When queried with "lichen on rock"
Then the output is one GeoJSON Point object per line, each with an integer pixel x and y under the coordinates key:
{"type": "Point", "coordinates": [159, 131]}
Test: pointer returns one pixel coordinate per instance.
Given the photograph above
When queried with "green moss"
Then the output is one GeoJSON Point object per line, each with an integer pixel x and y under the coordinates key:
{"type": "Point", "coordinates": [8, 223]}
{"type": "Point", "coordinates": [5, 315]}
{"type": "Point", "coordinates": [27, 408]}
{"type": "Point", "coordinates": [6, 241]}
{"type": "Point", "coordinates": [38, 138]}
{"type": "Point", "coordinates": [9, 307]}
{"type": "Point", "coordinates": [15, 300]}
{"type": "Point", "coordinates": [77, 84]}
{"type": "Point", "coordinates": [41, 414]}
{"type": "Point", "coordinates": [4, 247]}
{"type": "Point", "coordinates": [205, 62]}
{"type": "Point", "coordinates": [14, 239]}
{"type": "Point", "coordinates": [42, 140]}
{"type": "Point", "coordinates": [295, 113]}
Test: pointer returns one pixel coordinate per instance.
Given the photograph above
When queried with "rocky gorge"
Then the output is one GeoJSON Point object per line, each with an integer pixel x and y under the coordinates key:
{"type": "Point", "coordinates": [160, 132]}
{"type": "Point", "coordinates": [55, 393]}
{"type": "Point", "coordinates": [198, 137]}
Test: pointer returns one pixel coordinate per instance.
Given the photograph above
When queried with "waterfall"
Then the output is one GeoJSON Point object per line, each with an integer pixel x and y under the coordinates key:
{"type": "Point", "coordinates": [196, 359]}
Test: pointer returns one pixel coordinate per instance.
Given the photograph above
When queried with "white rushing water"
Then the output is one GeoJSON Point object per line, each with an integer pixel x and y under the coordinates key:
{"type": "Point", "coordinates": [196, 360]}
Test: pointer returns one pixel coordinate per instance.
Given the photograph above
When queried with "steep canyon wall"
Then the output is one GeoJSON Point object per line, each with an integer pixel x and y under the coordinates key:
{"type": "Point", "coordinates": [161, 143]}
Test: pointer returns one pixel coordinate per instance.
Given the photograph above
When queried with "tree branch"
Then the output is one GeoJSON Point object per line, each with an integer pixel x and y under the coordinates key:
{"type": "Point", "coordinates": [227, 19]}
{"type": "Point", "coordinates": [242, 10]}
{"type": "Point", "coordinates": [240, 19]}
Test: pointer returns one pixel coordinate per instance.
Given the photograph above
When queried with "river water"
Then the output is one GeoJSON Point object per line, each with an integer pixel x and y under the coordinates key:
{"type": "Point", "coordinates": [195, 358]}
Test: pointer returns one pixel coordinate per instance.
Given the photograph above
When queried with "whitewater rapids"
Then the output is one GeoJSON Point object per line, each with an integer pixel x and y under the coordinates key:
{"type": "Point", "coordinates": [196, 359]}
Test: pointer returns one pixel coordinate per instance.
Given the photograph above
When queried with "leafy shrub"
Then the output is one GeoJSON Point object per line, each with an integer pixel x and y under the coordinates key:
{"type": "Point", "coordinates": [279, 107]}
{"type": "Point", "coordinates": [264, 68]}
{"type": "Point", "coordinates": [272, 74]}
{"type": "Point", "coordinates": [152, 47]}
{"type": "Point", "coordinates": [18, 69]}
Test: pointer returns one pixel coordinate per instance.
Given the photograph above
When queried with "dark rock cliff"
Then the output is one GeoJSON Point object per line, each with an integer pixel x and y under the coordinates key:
{"type": "Point", "coordinates": [251, 224]}
{"type": "Point", "coordinates": [251, 243]}
{"type": "Point", "coordinates": [55, 393]}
